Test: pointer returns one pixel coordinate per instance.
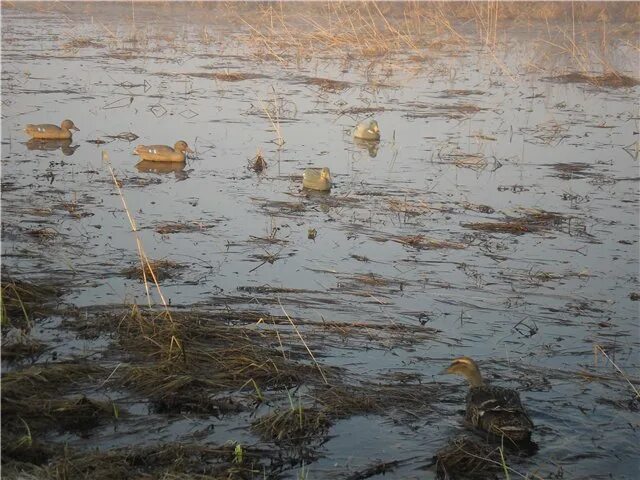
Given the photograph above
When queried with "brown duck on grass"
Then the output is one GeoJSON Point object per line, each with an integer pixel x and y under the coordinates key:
{"type": "Point", "coordinates": [495, 410]}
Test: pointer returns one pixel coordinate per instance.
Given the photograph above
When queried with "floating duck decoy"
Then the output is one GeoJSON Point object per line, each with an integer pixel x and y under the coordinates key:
{"type": "Point", "coordinates": [317, 179]}
{"type": "Point", "coordinates": [163, 153]}
{"type": "Point", "coordinates": [50, 145]}
{"type": "Point", "coordinates": [47, 131]}
{"type": "Point", "coordinates": [496, 410]}
{"type": "Point", "coordinates": [367, 130]}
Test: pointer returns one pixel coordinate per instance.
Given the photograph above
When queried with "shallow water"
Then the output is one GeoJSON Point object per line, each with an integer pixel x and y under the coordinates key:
{"type": "Point", "coordinates": [541, 300]}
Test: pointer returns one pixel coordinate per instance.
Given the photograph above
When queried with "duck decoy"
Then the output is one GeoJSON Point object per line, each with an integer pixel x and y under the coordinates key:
{"type": "Point", "coordinates": [492, 409]}
{"type": "Point", "coordinates": [163, 153]}
{"type": "Point", "coordinates": [48, 131]}
{"type": "Point", "coordinates": [317, 179]}
{"type": "Point", "coordinates": [367, 130]}
{"type": "Point", "coordinates": [50, 145]}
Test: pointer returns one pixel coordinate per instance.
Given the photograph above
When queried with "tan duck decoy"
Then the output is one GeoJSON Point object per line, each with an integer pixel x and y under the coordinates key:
{"type": "Point", "coordinates": [317, 179]}
{"type": "Point", "coordinates": [163, 153]}
{"type": "Point", "coordinates": [496, 410]}
{"type": "Point", "coordinates": [47, 131]}
{"type": "Point", "coordinates": [367, 130]}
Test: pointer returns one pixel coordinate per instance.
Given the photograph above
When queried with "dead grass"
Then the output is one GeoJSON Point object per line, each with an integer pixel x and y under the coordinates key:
{"type": "Point", "coordinates": [35, 401]}
{"type": "Point", "coordinates": [258, 164]}
{"type": "Point", "coordinates": [163, 269]}
{"type": "Point", "coordinates": [607, 80]}
{"type": "Point", "coordinates": [81, 42]}
{"type": "Point", "coordinates": [23, 348]}
{"type": "Point", "coordinates": [43, 234]}
{"type": "Point", "coordinates": [23, 301]}
{"type": "Point", "coordinates": [328, 85]}
{"type": "Point", "coordinates": [532, 221]}
{"type": "Point", "coordinates": [467, 458]}
{"type": "Point", "coordinates": [421, 242]}
{"type": "Point", "coordinates": [166, 461]}
{"type": "Point", "coordinates": [410, 400]}
{"type": "Point", "coordinates": [293, 426]}
{"type": "Point", "coordinates": [176, 227]}
{"type": "Point", "coordinates": [194, 363]}
{"type": "Point", "coordinates": [226, 76]}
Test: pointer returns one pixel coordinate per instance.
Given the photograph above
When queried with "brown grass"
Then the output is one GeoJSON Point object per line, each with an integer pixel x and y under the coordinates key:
{"type": "Point", "coordinates": [609, 80]}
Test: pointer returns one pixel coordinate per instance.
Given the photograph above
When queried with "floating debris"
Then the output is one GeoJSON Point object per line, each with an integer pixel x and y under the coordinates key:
{"type": "Point", "coordinates": [475, 162]}
{"type": "Point", "coordinates": [328, 85]}
{"type": "Point", "coordinates": [423, 242]}
{"type": "Point", "coordinates": [162, 269]}
{"type": "Point", "coordinates": [46, 233]}
{"type": "Point", "coordinates": [258, 163]}
{"type": "Point", "coordinates": [181, 227]}
{"type": "Point", "coordinates": [477, 208]}
{"type": "Point", "coordinates": [609, 79]}
{"type": "Point", "coordinates": [226, 76]}
{"type": "Point", "coordinates": [127, 136]}
{"type": "Point", "coordinates": [82, 42]}
{"type": "Point", "coordinates": [294, 426]}
{"type": "Point", "coordinates": [532, 221]}
{"type": "Point", "coordinates": [467, 458]}
{"type": "Point", "coordinates": [571, 170]}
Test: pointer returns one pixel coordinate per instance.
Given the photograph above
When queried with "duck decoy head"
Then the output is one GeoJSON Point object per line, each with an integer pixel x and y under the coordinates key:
{"type": "Point", "coordinates": [325, 174]}
{"type": "Point", "coordinates": [181, 146]}
{"type": "Point", "coordinates": [68, 125]}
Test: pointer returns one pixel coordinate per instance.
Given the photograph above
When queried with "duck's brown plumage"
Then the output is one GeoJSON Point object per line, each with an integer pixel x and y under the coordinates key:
{"type": "Point", "coordinates": [495, 410]}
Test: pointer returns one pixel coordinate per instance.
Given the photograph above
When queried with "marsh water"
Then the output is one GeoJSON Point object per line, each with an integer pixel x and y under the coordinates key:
{"type": "Point", "coordinates": [468, 137]}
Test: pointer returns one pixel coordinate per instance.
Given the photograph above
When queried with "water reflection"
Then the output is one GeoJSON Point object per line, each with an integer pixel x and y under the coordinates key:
{"type": "Point", "coordinates": [51, 145]}
{"type": "Point", "coordinates": [177, 168]}
{"type": "Point", "coordinates": [370, 145]}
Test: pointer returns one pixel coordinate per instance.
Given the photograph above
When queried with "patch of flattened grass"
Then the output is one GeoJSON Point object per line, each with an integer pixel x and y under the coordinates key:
{"type": "Point", "coordinates": [609, 79]}
{"type": "Point", "coordinates": [409, 399]}
{"type": "Point", "coordinates": [25, 347]}
{"type": "Point", "coordinates": [532, 221]}
{"type": "Point", "coordinates": [163, 269]}
{"type": "Point", "coordinates": [293, 426]}
{"type": "Point", "coordinates": [468, 458]}
{"type": "Point", "coordinates": [35, 400]}
{"type": "Point", "coordinates": [186, 362]}
{"type": "Point", "coordinates": [22, 301]}
{"type": "Point", "coordinates": [172, 460]}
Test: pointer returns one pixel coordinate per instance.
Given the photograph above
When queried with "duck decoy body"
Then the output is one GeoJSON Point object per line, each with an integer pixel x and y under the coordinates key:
{"type": "Point", "coordinates": [163, 153]}
{"type": "Point", "coordinates": [493, 409]}
{"type": "Point", "coordinates": [317, 179]}
{"type": "Point", "coordinates": [367, 130]}
{"type": "Point", "coordinates": [48, 131]}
